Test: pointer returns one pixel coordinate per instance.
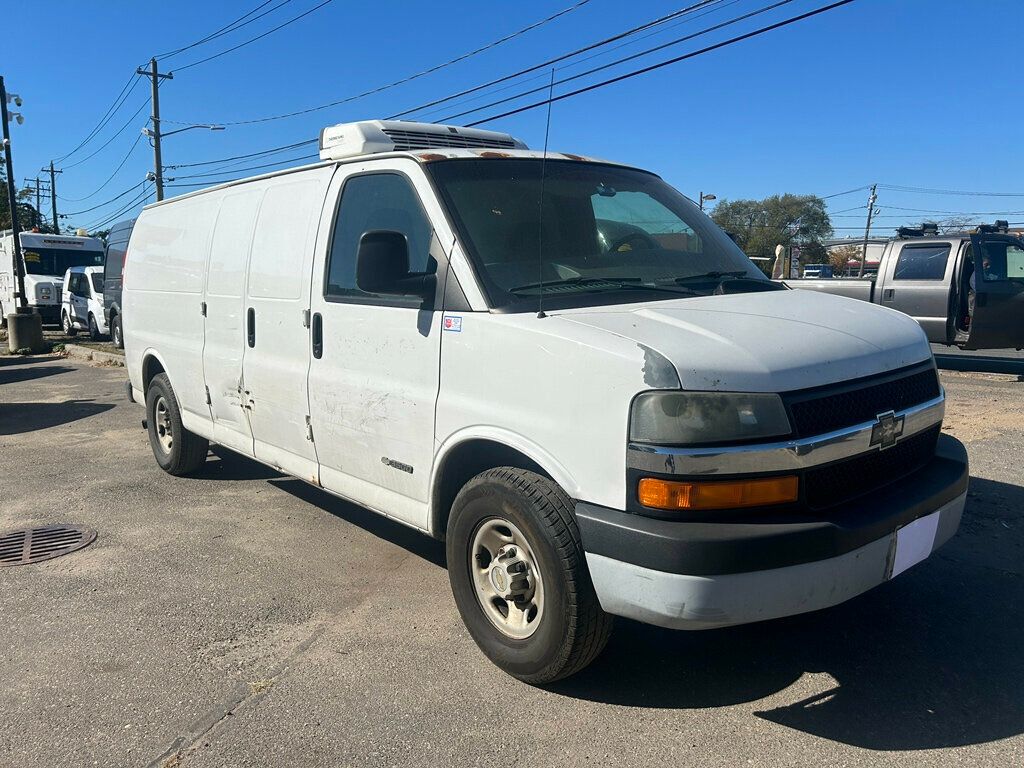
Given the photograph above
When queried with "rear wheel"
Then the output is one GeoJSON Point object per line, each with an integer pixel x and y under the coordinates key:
{"type": "Point", "coordinates": [519, 576]}
{"type": "Point", "coordinates": [177, 451]}
{"type": "Point", "coordinates": [67, 325]}
{"type": "Point", "coordinates": [115, 332]}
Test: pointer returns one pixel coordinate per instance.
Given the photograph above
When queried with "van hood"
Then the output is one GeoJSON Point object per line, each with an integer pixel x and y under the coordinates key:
{"type": "Point", "coordinates": [774, 341]}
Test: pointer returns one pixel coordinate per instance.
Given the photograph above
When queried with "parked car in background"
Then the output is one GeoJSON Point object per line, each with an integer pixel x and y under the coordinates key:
{"type": "Point", "coordinates": [964, 289]}
{"type": "Point", "coordinates": [45, 259]}
{"type": "Point", "coordinates": [82, 302]}
{"type": "Point", "coordinates": [113, 277]}
{"type": "Point", "coordinates": [560, 367]}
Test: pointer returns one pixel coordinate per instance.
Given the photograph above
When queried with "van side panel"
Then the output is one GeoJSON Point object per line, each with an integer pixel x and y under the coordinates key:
{"type": "Point", "coordinates": [275, 365]}
{"type": "Point", "coordinates": [225, 315]}
{"type": "Point", "coordinates": [163, 295]}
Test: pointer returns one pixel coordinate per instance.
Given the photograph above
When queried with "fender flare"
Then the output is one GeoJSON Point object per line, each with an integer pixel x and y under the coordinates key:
{"type": "Point", "coordinates": [552, 466]}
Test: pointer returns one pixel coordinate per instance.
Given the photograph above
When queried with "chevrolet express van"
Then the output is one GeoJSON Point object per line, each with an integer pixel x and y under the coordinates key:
{"type": "Point", "coordinates": [557, 365]}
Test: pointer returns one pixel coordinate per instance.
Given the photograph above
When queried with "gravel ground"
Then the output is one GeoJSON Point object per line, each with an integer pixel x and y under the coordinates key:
{"type": "Point", "coordinates": [247, 619]}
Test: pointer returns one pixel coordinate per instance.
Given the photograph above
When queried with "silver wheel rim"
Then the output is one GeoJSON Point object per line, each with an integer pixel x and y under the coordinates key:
{"type": "Point", "coordinates": [162, 424]}
{"type": "Point", "coordinates": [507, 580]}
{"type": "Point", "coordinates": [67, 324]}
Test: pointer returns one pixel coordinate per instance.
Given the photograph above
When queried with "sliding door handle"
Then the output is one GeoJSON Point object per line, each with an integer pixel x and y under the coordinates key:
{"type": "Point", "coordinates": [317, 332]}
{"type": "Point", "coordinates": [250, 326]}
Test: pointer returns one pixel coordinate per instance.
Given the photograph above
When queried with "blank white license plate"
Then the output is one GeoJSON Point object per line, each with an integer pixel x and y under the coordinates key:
{"type": "Point", "coordinates": [914, 542]}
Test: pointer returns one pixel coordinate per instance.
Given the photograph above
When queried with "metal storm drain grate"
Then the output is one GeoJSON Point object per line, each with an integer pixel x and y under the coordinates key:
{"type": "Point", "coordinates": [34, 545]}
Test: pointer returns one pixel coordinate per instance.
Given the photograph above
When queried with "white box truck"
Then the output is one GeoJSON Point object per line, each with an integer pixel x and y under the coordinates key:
{"type": "Point", "coordinates": [45, 259]}
{"type": "Point", "coordinates": [557, 365]}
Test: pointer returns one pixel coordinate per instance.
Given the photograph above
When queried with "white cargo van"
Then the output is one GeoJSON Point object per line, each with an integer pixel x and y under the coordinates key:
{"type": "Point", "coordinates": [45, 259]}
{"type": "Point", "coordinates": [558, 365]}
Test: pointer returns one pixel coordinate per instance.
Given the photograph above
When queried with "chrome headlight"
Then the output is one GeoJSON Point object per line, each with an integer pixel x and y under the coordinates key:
{"type": "Point", "coordinates": [706, 418]}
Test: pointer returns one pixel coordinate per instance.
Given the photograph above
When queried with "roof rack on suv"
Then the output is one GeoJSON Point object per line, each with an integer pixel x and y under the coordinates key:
{"type": "Point", "coordinates": [1000, 225]}
{"type": "Point", "coordinates": [926, 229]}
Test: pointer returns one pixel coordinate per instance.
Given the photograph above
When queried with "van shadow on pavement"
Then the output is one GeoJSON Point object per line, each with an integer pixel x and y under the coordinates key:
{"type": "Point", "coordinates": [932, 659]}
{"type": "Point", "coordinates": [407, 538]}
{"type": "Point", "coordinates": [18, 418]}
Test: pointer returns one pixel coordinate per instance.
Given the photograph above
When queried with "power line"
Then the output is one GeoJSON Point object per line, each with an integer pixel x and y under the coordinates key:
{"type": "Point", "coordinates": [258, 37]}
{"type": "Point", "coordinates": [410, 78]}
{"type": "Point", "coordinates": [623, 60]}
{"type": "Point", "coordinates": [228, 28]}
{"type": "Point", "coordinates": [104, 203]}
{"type": "Point", "coordinates": [107, 142]}
{"type": "Point", "coordinates": [109, 178]}
{"type": "Point", "coordinates": [107, 116]}
{"type": "Point", "coordinates": [847, 192]}
{"type": "Point", "coordinates": [675, 60]}
{"type": "Point", "coordinates": [248, 168]}
{"type": "Point", "coordinates": [114, 216]}
{"type": "Point", "coordinates": [926, 190]}
{"type": "Point", "coordinates": [245, 157]}
{"type": "Point", "coordinates": [555, 60]}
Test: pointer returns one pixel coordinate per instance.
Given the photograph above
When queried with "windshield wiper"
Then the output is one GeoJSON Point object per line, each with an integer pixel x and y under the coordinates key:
{"type": "Point", "coordinates": [709, 276]}
{"type": "Point", "coordinates": [613, 283]}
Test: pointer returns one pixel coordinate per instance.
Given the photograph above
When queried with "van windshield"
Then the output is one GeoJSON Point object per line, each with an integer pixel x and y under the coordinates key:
{"type": "Point", "coordinates": [604, 234]}
{"type": "Point", "coordinates": [57, 261]}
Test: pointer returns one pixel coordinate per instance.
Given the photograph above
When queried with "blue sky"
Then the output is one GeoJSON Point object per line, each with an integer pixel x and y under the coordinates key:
{"type": "Point", "coordinates": [919, 93]}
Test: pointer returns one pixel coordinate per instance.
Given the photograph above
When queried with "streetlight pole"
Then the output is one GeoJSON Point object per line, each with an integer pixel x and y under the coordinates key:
{"type": "Point", "coordinates": [12, 197]}
{"type": "Point", "coordinates": [155, 77]}
{"type": "Point", "coordinates": [704, 197]}
{"type": "Point", "coordinates": [24, 326]}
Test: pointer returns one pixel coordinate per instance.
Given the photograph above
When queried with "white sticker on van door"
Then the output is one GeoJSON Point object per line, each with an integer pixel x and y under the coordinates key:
{"type": "Point", "coordinates": [452, 323]}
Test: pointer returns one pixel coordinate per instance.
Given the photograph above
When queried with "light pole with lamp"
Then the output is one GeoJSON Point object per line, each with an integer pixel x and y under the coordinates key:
{"type": "Point", "coordinates": [704, 197]}
{"type": "Point", "coordinates": [24, 325]}
{"type": "Point", "coordinates": [155, 137]}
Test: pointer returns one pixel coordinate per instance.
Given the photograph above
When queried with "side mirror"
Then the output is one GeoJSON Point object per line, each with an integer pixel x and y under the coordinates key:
{"type": "Point", "coordinates": [382, 266]}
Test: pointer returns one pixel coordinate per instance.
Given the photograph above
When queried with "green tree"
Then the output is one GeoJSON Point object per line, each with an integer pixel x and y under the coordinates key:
{"type": "Point", "coordinates": [787, 220]}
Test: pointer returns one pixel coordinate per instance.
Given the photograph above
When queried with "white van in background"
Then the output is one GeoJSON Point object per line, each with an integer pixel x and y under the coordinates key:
{"type": "Point", "coordinates": [45, 259]}
{"type": "Point", "coordinates": [559, 366]}
{"type": "Point", "coordinates": [82, 302]}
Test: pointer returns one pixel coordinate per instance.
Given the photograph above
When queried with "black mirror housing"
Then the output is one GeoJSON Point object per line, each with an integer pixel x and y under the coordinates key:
{"type": "Point", "coordinates": [382, 266]}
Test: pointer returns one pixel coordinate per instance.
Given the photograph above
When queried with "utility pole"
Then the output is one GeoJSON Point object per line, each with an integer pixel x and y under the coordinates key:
{"type": "Point", "coordinates": [53, 197]}
{"type": "Point", "coordinates": [12, 198]}
{"type": "Point", "coordinates": [867, 229]}
{"type": "Point", "coordinates": [155, 77]}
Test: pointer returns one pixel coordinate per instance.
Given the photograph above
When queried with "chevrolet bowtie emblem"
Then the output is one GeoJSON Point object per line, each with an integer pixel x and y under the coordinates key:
{"type": "Point", "coordinates": [887, 430]}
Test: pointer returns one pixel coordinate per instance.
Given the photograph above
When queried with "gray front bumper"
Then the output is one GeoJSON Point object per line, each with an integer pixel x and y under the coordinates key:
{"type": "Point", "coordinates": [681, 601]}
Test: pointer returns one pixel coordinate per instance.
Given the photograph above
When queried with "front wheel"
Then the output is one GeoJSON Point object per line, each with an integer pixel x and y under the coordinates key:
{"type": "Point", "coordinates": [94, 329]}
{"type": "Point", "coordinates": [115, 332]}
{"type": "Point", "coordinates": [177, 451]}
{"type": "Point", "coordinates": [67, 325]}
{"type": "Point", "coordinates": [519, 576]}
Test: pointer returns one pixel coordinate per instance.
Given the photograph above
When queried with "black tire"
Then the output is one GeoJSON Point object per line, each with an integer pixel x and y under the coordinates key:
{"type": "Point", "coordinates": [3, 317]}
{"type": "Point", "coordinates": [94, 329]}
{"type": "Point", "coordinates": [186, 451]}
{"type": "Point", "coordinates": [67, 326]}
{"type": "Point", "coordinates": [572, 629]}
{"type": "Point", "coordinates": [116, 334]}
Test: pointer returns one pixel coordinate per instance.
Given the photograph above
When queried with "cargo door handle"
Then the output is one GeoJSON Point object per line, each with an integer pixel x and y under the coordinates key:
{"type": "Point", "coordinates": [888, 294]}
{"type": "Point", "coordinates": [250, 325]}
{"type": "Point", "coordinates": [317, 332]}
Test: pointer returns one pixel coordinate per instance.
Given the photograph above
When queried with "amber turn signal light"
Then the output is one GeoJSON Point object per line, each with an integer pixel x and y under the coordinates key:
{"type": "Point", "coordinates": [668, 494]}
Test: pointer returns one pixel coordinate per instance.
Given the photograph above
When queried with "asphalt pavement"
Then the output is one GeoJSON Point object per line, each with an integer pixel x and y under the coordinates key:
{"type": "Point", "coordinates": [242, 618]}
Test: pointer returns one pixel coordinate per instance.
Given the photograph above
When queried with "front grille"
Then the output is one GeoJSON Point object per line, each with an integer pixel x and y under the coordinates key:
{"type": "Point", "coordinates": [844, 480]}
{"type": "Point", "coordinates": [836, 409]}
{"type": "Point", "coordinates": [411, 140]}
